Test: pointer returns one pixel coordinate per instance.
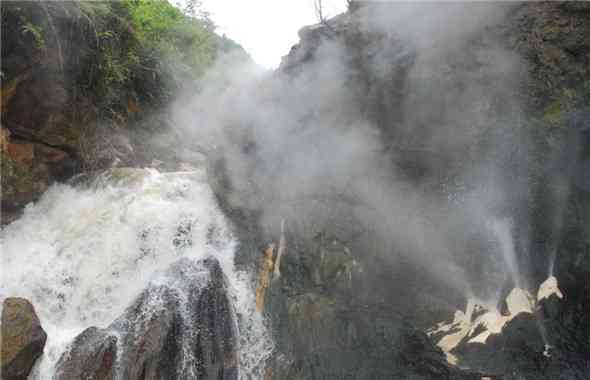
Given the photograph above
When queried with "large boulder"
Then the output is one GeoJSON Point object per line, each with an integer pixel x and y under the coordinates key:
{"type": "Point", "coordinates": [22, 339]}
{"type": "Point", "coordinates": [182, 326]}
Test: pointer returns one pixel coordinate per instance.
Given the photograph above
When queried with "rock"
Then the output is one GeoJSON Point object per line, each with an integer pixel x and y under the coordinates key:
{"type": "Point", "coordinates": [28, 169]}
{"type": "Point", "coordinates": [548, 344]}
{"type": "Point", "coordinates": [23, 153]}
{"type": "Point", "coordinates": [324, 332]}
{"type": "Point", "coordinates": [548, 288]}
{"type": "Point", "coordinates": [474, 326]}
{"type": "Point", "coordinates": [311, 37]}
{"type": "Point", "coordinates": [519, 301]}
{"type": "Point", "coordinates": [96, 363]}
{"type": "Point", "coordinates": [264, 277]}
{"type": "Point", "coordinates": [9, 90]}
{"type": "Point", "coordinates": [426, 359]}
{"type": "Point", "coordinates": [4, 138]}
{"type": "Point", "coordinates": [315, 297]}
{"type": "Point", "coordinates": [22, 182]}
{"type": "Point", "coordinates": [550, 306]}
{"type": "Point", "coordinates": [50, 155]}
{"type": "Point", "coordinates": [549, 298]}
{"type": "Point", "coordinates": [310, 313]}
{"type": "Point", "coordinates": [23, 338]}
{"type": "Point", "coordinates": [336, 264]}
{"type": "Point", "coordinates": [576, 6]}
{"type": "Point", "coordinates": [182, 326]}
{"type": "Point", "coordinates": [518, 345]}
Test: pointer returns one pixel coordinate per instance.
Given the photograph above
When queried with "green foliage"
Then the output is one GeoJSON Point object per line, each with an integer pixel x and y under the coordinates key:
{"type": "Point", "coordinates": [36, 32]}
{"type": "Point", "coordinates": [118, 55]}
{"type": "Point", "coordinates": [186, 44]}
{"type": "Point", "coordinates": [150, 46]}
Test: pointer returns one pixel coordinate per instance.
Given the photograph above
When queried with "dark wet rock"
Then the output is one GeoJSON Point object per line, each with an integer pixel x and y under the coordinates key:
{"type": "Point", "coordinates": [336, 311]}
{"type": "Point", "coordinates": [326, 327]}
{"type": "Point", "coordinates": [519, 346]}
{"type": "Point", "coordinates": [181, 327]}
{"type": "Point", "coordinates": [425, 359]}
{"type": "Point", "coordinates": [92, 355]}
{"type": "Point", "coordinates": [22, 338]}
{"type": "Point", "coordinates": [550, 307]}
{"type": "Point", "coordinates": [549, 344]}
{"type": "Point", "coordinates": [352, 344]}
{"type": "Point", "coordinates": [41, 144]}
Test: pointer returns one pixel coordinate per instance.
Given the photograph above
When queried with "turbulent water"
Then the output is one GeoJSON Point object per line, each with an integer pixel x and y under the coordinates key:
{"type": "Point", "coordinates": [82, 254]}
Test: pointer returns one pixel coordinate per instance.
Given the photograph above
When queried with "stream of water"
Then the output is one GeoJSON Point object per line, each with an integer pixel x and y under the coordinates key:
{"type": "Point", "coordinates": [81, 255]}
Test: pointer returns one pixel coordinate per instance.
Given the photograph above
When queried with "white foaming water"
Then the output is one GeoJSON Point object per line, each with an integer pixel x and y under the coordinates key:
{"type": "Point", "coordinates": [82, 255]}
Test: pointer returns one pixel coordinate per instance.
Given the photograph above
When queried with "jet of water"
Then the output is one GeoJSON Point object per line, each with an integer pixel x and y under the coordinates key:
{"type": "Point", "coordinates": [503, 231]}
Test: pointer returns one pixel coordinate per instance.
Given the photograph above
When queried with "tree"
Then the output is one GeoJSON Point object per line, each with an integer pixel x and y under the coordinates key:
{"type": "Point", "coordinates": [319, 10]}
{"type": "Point", "coordinates": [194, 9]}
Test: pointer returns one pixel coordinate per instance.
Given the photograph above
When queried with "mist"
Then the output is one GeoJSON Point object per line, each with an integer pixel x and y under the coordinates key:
{"type": "Point", "coordinates": [405, 196]}
{"type": "Point", "coordinates": [425, 176]}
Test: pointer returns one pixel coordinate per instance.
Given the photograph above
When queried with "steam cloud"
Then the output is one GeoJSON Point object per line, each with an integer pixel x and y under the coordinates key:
{"type": "Point", "coordinates": [417, 148]}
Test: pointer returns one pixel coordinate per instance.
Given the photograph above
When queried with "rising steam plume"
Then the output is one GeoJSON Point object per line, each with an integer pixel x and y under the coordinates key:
{"type": "Point", "coordinates": [420, 148]}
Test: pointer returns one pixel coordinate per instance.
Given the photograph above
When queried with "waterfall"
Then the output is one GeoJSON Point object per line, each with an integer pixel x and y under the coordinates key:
{"type": "Point", "coordinates": [83, 254]}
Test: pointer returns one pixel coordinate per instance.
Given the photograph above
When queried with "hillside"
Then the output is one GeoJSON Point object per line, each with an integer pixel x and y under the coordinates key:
{"type": "Point", "coordinates": [81, 79]}
{"type": "Point", "coordinates": [406, 197]}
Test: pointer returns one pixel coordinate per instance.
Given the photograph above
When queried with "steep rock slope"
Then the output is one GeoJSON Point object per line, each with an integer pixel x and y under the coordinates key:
{"type": "Point", "coordinates": [514, 77]}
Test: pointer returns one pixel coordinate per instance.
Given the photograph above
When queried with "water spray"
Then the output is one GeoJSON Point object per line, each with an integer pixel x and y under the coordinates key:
{"type": "Point", "coordinates": [54, 255]}
{"type": "Point", "coordinates": [503, 230]}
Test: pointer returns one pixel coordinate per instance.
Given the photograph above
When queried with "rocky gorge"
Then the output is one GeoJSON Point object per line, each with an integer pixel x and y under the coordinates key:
{"type": "Point", "coordinates": [407, 196]}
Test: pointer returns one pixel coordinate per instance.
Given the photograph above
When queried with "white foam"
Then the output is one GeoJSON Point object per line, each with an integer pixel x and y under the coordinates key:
{"type": "Point", "coordinates": [82, 255]}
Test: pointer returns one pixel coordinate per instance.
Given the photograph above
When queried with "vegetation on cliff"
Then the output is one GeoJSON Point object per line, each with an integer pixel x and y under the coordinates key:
{"type": "Point", "coordinates": [113, 50]}
{"type": "Point", "coordinates": [76, 74]}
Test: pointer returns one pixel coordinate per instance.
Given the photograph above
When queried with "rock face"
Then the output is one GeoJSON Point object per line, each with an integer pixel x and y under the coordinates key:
{"type": "Point", "coordinates": [23, 338]}
{"type": "Point", "coordinates": [545, 340]}
{"type": "Point", "coordinates": [28, 169]}
{"type": "Point", "coordinates": [60, 113]}
{"type": "Point", "coordinates": [181, 327]}
{"type": "Point", "coordinates": [76, 99]}
{"type": "Point", "coordinates": [326, 327]}
{"type": "Point", "coordinates": [543, 345]}
{"type": "Point", "coordinates": [42, 118]}
{"type": "Point", "coordinates": [337, 308]}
